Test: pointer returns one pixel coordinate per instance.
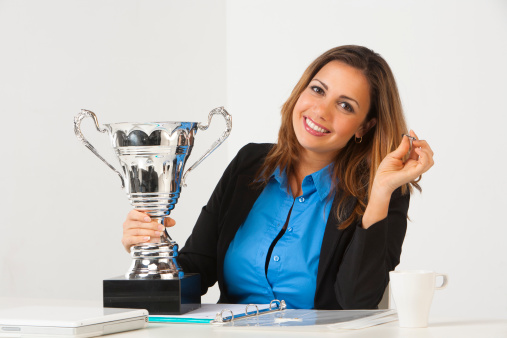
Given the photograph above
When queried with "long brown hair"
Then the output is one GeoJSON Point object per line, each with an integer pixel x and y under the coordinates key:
{"type": "Point", "coordinates": [356, 164]}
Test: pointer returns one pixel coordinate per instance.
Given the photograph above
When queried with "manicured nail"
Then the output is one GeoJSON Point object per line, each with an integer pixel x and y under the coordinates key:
{"type": "Point", "coordinates": [161, 227]}
{"type": "Point", "coordinates": [146, 239]}
{"type": "Point", "coordinates": [157, 233]}
{"type": "Point", "coordinates": [147, 219]}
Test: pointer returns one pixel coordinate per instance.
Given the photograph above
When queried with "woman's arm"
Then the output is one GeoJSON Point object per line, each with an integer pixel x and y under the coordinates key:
{"type": "Point", "coordinates": [364, 271]}
{"type": "Point", "coordinates": [375, 248]}
{"type": "Point", "coordinates": [199, 255]}
{"type": "Point", "coordinates": [392, 173]}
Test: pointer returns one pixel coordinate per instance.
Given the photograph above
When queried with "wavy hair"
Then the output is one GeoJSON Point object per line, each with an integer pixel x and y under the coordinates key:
{"type": "Point", "coordinates": [356, 164]}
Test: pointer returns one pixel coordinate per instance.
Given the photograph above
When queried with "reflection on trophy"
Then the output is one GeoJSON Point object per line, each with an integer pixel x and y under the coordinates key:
{"type": "Point", "coordinates": [152, 157]}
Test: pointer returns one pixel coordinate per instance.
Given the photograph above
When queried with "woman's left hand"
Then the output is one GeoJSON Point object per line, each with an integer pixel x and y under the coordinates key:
{"type": "Point", "coordinates": [393, 172]}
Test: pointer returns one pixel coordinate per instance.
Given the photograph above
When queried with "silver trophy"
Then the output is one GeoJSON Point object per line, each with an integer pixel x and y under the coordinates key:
{"type": "Point", "coordinates": [152, 157]}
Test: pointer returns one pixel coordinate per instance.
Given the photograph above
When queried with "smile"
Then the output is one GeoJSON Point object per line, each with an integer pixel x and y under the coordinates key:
{"type": "Point", "coordinates": [313, 128]}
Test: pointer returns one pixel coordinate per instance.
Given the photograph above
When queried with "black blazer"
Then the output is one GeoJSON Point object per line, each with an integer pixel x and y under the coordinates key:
{"type": "Point", "coordinates": [354, 263]}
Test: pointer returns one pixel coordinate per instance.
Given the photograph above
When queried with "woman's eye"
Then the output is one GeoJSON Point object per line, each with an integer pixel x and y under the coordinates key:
{"type": "Point", "coordinates": [346, 106]}
{"type": "Point", "coordinates": [317, 89]}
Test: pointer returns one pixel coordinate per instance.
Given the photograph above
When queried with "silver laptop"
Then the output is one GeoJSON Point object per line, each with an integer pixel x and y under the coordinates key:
{"type": "Point", "coordinates": [59, 321]}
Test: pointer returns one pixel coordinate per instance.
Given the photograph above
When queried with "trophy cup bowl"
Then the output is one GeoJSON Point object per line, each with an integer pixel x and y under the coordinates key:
{"type": "Point", "coordinates": [152, 158]}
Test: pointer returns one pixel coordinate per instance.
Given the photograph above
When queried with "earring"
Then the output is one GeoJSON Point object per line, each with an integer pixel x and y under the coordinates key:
{"type": "Point", "coordinates": [358, 140]}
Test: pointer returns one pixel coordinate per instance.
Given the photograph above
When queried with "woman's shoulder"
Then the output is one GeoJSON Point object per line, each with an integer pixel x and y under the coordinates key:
{"type": "Point", "coordinates": [250, 157]}
{"type": "Point", "coordinates": [255, 149]}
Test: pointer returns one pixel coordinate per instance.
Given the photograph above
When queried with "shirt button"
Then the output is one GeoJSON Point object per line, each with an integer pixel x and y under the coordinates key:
{"type": "Point", "coordinates": [301, 199]}
{"type": "Point", "coordinates": [290, 229]}
{"type": "Point", "coordinates": [276, 258]}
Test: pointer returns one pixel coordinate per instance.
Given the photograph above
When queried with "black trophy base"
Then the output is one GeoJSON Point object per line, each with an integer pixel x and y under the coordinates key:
{"type": "Point", "coordinates": [158, 296]}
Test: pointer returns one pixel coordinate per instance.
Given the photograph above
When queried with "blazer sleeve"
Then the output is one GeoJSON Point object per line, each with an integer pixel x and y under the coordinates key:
{"type": "Point", "coordinates": [364, 271]}
{"type": "Point", "coordinates": [199, 255]}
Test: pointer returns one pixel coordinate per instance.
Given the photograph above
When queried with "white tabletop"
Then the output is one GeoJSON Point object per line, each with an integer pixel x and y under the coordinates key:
{"type": "Point", "coordinates": [462, 328]}
{"type": "Point", "coordinates": [438, 327]}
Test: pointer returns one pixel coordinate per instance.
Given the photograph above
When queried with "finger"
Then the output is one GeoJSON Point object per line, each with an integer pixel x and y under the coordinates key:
{"type": "Point", "coordinates": [413, 134]}
{"type": "Point", "coordinates": [169, 222]}
{"type": "Point", "coordinates": [134, 240]}
{"type": "Point", "coordinates": [402, 149]}
{"type": "Point", "coordinates": [428, 155]}
{"type": "Point", "coordinates": [419, 143]}
{"type": "Point", "coordinates": [142, 232]}
{"type": "Point", "coordinates": [128, 224]}
{"type": "Point", "coordinates": [413, 155]}
{"type": "Point", "coordinates": [137, 215]}
{"type": "Point", "coordinates": [423, 144]}
{"type": "Point", "coordinates": [425, 160]}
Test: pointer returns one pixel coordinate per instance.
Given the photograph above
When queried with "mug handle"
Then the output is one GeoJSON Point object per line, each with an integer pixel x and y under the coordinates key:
{"type": "Point", "coordinates": [444, 281]}
{"type": "Point", "coordinates": [228, 127]}
{"type": "Point", "coordinates": [77, 130]}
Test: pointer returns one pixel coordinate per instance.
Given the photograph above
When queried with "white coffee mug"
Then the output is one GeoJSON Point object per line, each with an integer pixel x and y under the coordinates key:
{"type": "Point", "coordinates": [413, 292]}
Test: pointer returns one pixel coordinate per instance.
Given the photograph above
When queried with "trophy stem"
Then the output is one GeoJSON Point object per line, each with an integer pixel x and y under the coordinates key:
{"type": "Point", "coordinates": [155, 260]}
{"type": "Point", "coordinates": [164, 237]}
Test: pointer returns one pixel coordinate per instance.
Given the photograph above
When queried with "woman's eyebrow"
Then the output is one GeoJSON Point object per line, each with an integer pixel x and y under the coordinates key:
{"type": "Point", "coordinates": [322, 83]}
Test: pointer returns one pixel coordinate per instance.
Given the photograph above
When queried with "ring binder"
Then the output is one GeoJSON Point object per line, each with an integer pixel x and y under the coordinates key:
{"type": "Point", "coordinates": [220, 319]}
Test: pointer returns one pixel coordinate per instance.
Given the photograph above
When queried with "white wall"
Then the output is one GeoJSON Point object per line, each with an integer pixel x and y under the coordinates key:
{"type": "Point", "coordinates": [131, 60]}
{"type": "Point", "coordinates": [168, 60]}
{"type": "Point", "coordinates": [449, 61]}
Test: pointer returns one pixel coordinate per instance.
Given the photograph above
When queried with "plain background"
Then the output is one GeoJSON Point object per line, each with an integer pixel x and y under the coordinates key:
{"type": "Point", "coordinates": [129, 60]}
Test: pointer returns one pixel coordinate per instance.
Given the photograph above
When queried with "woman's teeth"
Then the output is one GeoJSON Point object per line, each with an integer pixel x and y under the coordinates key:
{"type": "Point", "coordinates": [315, 127]}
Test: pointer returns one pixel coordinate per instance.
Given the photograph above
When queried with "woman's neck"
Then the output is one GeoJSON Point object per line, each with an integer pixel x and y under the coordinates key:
{"type": "Point", "coordinates": [308, 164]}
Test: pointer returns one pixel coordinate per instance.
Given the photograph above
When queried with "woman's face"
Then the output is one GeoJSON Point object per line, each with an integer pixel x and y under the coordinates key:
{"type": "Point", "coordinates": [331, 110]}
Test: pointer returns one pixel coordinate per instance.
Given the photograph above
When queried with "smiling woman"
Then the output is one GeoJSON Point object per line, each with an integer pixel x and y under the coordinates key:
{"type": "Point", "coordinates": [351, 93]}
{"type": "Point", "coordinates": [317, 219]}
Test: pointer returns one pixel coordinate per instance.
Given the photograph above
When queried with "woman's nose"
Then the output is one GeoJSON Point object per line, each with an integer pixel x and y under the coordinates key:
{"type": "Point", "coordinates": [321, 109]}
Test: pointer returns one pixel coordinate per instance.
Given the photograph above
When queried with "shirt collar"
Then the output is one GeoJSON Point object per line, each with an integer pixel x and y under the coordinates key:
{"type": "Point", "coordinates": [281, 178]}
{"type": "Point", "coordinates": [321, 180]}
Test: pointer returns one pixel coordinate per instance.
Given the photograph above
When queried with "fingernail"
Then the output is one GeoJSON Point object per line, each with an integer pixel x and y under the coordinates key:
{"type": "Point", "coordinates": [146, 239]}
{"type": "Point", "coordinates": [147, 219]}
{"type": "Point", "coordinates": [157, 233]}
{"type": "Point", "coordinates": [160, 227]}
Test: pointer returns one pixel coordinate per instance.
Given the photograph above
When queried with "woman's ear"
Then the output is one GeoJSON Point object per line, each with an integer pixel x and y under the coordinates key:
{"type": "Point", "coordinates": [366, 127]}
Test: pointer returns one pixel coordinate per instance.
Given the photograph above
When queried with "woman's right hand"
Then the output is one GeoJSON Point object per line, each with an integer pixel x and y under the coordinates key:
{"type": "Point", "coordinates": [140, 228]}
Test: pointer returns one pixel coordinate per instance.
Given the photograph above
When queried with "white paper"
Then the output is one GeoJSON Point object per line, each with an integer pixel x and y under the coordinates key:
{"type": "Point", "coordinates": [209, 311]}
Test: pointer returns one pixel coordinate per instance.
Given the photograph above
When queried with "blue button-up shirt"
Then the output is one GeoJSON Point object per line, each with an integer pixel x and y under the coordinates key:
{"type": "Point", "coordinates": [292, 270]}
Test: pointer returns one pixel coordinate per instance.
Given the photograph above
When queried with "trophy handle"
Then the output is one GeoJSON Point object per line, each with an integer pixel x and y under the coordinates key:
{"type": "Point", "coordinates": [228, 122]}
{"type": "Point", "coordinates": [77, 130]}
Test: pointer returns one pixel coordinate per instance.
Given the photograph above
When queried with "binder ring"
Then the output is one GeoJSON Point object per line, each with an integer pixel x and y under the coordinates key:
{"type": "Point", "coordinates": [220, 319]}
{"type": "Point", "coordinates": [246, 308]}
{"type": "Point", "coordinates": [222, 312]}
{"type": "Point", "coordinates": [281, 304]}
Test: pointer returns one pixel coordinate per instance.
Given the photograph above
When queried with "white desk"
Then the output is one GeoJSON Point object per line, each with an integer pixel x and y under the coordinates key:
{"type": "Point", "coordinates": [439, 327]}
{"type": "Point", "coordinates": [459, 328]}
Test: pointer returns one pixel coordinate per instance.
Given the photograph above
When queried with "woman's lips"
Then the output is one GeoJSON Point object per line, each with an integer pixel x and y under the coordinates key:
{"type": "Point", "coordinates": [313, 128]}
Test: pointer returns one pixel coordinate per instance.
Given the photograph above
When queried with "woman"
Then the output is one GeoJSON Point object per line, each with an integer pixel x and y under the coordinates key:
{"type": "Point", "coordinates": [319, 218]}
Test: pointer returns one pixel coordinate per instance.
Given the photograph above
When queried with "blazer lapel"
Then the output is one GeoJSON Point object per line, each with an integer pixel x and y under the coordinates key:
{"type": "Point", "coordinates": [332, 236]}
{"type": "Point", "coordinates": [242, 202]}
